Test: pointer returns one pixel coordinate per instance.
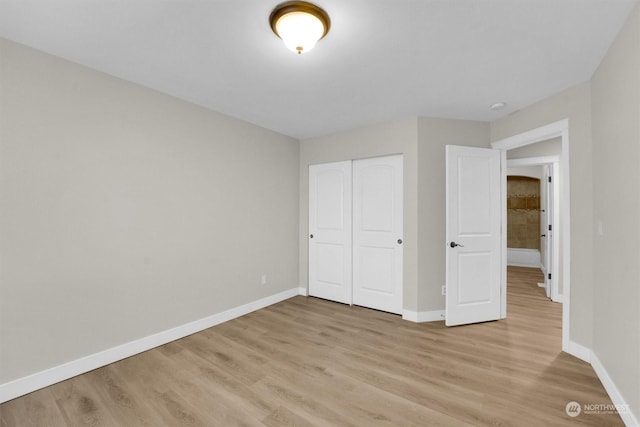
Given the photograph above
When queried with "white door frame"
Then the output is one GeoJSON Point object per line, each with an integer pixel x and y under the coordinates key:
{"type": "Point", "coordinates": [553, 162]}
{"type": "Point", "coordinates": [553, 130]}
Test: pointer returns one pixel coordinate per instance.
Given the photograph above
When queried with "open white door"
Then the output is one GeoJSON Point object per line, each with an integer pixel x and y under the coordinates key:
{"type": "Point", "coordinates": [473, 258]}
{"type": "Point", "coordinates": [377, 233]}
{"type": "Point", "coordinates": [330, 231]}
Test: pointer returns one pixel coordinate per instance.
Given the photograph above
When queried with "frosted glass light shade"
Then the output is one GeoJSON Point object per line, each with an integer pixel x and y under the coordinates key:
{"type": "Point", "coordinates": [299, 31]}
{"type": "Point", "coordinates": [300, 25]}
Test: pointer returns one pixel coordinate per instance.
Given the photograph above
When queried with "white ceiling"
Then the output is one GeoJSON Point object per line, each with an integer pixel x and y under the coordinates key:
{"type": "Point", "coordinates": [382, 59]}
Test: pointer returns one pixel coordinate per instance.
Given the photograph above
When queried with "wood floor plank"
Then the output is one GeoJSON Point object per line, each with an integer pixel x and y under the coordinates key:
{"type": "Point", "coordinates": [127, 408]}
{"type": "Point", "coordinates": [33, 409]}
{"type": "Point", "coordinates": [307, 361]}
{"type": "Point", "coordinates": [80, 405]}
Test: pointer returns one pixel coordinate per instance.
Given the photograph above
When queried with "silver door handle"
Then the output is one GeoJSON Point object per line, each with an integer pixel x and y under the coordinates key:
{"type": "Point", "coordinates": [454, 244]}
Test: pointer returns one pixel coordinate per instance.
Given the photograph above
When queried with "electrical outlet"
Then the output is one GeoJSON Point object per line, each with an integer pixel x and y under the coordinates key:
{"type": "Point", "coordinates": [263, 279]}
{"type": "Point", "coordinates": [444, 289]}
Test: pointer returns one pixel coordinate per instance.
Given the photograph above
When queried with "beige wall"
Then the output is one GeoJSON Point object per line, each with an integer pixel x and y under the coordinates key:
{"type": "Point", "coordinates": [125, 212]}
{"type": "Point", "coordinates": [616, 184]}
{"type": "Point", "coordinates": [422, 141]}
{"type": "Point", "coordinates": [573, 104]}
{"type": "Point", "coordinates": [550, 147]}
{"type": "Point", "coordinates": [530, 171]}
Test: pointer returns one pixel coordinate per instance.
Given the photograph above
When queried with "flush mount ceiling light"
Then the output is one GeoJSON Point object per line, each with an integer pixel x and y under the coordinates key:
{"type": "Point", "coordinates": [498, 106]}
{"type": "Point", "coordinates": [299, 24]}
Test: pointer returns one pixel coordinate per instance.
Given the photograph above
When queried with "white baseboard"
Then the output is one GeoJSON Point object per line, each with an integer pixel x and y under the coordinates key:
{"type": "Point", "coordinates": [523, 257]}
{"type": "Point", "coordinates": [303, 291]}
{"type": "Point", "coordinates": [423, 316]}
{"type": "Point", "coordinates": [583, 353]}
{"type": "Point", "coordinates": [624, 410]}
{"type": "Point", "coordinates": [38, 380]}
{"type": "Point", "coordinates": [579, 351]}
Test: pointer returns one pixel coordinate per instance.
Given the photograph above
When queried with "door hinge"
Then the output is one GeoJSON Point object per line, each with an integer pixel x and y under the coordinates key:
{"type": "Point", "coordinates": [549, 179]}
{"type": "Point", "coordinates": [549, 276]}
{"type": "Point", "coordinates": [550, 227]}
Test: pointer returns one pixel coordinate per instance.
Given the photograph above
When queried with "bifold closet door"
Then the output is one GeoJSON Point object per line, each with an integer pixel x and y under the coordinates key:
{"type": "Point", "coordinates": [377, 233]}
{"type": "Point", "coordinates": [330, 248]}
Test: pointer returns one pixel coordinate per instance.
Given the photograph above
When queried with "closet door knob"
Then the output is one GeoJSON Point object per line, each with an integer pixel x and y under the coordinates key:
{"type": "Point", "coordinates": [399, 241]}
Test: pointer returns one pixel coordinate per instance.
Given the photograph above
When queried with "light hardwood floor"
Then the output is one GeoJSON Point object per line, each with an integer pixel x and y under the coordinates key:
{"type": "Point", "coordinates": [307, 361]}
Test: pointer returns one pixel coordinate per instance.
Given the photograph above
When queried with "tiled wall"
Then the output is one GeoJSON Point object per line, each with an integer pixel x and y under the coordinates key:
{"type": "Point", "coordinates": [523, 212]}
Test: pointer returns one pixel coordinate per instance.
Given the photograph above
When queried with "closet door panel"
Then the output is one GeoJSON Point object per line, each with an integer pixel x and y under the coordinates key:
{"type": "Point", "coordinates": [330, 231]}
{"type": "Point", "coordinates": [378, 232]}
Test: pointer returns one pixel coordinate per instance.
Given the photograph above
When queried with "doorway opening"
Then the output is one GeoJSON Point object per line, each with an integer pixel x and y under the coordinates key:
{"type": "Point", "coordinates": [518, 151]}
{"type": "Point", "coordinates": [547, 254]}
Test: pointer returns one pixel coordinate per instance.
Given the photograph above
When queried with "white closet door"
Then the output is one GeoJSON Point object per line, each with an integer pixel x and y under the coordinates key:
{"type": "Point", "coordinates": [377, 233]}
{"type": "Point", "coordinates": [330, 246]}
